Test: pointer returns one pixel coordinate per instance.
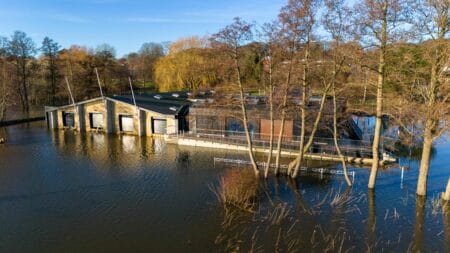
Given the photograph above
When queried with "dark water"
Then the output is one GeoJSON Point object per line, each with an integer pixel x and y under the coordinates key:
{"type": "Point", "coordinates": [70, 192]}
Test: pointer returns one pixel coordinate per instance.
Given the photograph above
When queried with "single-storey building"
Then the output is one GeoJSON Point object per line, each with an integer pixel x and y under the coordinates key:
{"type": "Point", "coordinates": [220, 119]}
{"type": "Point", "coordinates": [147, 115]}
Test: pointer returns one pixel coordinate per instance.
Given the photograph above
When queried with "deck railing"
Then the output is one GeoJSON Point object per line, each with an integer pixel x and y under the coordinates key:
{"type": "Point", "coordinates": [321, 145]}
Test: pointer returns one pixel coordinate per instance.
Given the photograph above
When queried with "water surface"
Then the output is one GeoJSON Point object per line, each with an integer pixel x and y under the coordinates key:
{"type": "Point", "coordinates": [71, 192]}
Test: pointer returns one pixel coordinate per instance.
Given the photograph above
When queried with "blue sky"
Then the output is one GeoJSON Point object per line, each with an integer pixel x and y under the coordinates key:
{"type": "Point", "coordinates": [126, 24]}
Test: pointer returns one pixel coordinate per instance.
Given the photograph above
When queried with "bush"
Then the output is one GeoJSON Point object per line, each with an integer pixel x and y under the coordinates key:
{"type": "Point", "coordinates": [239, 188]}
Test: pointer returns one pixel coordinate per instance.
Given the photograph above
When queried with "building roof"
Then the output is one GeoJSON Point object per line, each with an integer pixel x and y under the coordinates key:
{"type": "Point", "coordinates": [163, 104]}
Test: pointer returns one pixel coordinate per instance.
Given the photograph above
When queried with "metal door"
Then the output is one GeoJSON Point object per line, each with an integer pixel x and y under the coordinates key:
{"type": "Point", "coordinates": [126, 123]}
{"type": "Point", "coordinates": [159, 126]}
{"type": "Point", "coordinates": [96, 120]}
{"type": "Point", "coordinates": [69, 119]}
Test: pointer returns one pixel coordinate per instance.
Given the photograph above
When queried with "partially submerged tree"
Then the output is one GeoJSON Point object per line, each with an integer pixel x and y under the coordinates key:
{"type": "Point", "coordinates": [231, 39]}
{"type": "Point", "coordinates": [338, 28]}
{"type": "Point", "coordinates": [291, 31]}
{"type": "Point", "coordinates": [305, 11]}
{"type": "Point", "coordinates": [433, 17]}
{"type": "Point", "coordinates": [269, 34]}
{"type": "Point", "coordinates": [379, 23]}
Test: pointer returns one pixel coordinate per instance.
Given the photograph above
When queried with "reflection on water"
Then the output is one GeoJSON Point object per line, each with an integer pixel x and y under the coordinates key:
{"type": "Point", "coordinates": [417, 241]}
{"type": "Point", "coordinates": [88, 192]}
{"type": "Point", "coordinates": [371, 219]}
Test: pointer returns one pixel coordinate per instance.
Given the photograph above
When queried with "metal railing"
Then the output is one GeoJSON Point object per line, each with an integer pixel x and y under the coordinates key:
{"type": "Point", "coordinates": [352, 148]}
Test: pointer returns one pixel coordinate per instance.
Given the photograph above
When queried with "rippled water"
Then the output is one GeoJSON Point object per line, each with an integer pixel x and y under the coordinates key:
{"type": "Point", "coordinates": [71, 192]}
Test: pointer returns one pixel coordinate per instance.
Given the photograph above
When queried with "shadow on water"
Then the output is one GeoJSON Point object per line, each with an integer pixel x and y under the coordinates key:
{"type": "Point", "coordinates": [91, 192]}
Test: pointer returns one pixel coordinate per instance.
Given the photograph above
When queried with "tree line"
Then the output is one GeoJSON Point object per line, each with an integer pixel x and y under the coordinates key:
{"type": "Point", "coordinates": [35, 75]}
{"type": "Point", "coordinates": [384, 57]}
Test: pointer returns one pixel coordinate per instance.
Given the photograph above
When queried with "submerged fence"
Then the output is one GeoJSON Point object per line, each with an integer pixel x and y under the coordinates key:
{"type": "Point", "coordinates": [321, 171]}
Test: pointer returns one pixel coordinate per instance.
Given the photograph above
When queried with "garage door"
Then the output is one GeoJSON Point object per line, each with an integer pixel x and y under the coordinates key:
{"type": "Point", "coordinates": [159, 126]}
{"type": "Point", "coordinates": [126, 123]}
{"type": "Point", "coordinates": [96, 120]}
{"type": "Point", "coordinates": [68, 119]}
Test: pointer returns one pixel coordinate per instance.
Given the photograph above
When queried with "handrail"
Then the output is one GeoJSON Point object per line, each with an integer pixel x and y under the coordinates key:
{"type": "Point", "coordinates": [320, 145]}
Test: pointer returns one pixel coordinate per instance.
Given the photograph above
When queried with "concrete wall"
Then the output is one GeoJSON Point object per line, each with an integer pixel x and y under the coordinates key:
{"type": "Point", "coordinates": [95, 107]}
{"type": "Point", "coordinates": [111, 111]}
{"type": "Point", "coordinates": [122, 109]}
{"type": "Point", "coordinates": [52, 119]}
{"type": "Point", "coordinates": [81, 118]}
{"type": "Point", "coordinates": [60, 113]}
{"type": "Point", "coordinates": [172, 123]}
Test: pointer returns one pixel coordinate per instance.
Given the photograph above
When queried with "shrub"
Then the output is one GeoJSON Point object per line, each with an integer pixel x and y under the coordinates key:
{"type": "Point", "coordinates": [238, 187]}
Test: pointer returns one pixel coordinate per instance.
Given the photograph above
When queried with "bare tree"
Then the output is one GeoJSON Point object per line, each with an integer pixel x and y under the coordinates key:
{"type": "Point", "coordinates": [4, 92]}
{"type": "Point", "coordinates": [433, 17]}
{"type": "Point", "coordinates": [379, 23]}
{"type": "Point", "coordinates": [291, 17]}
{"type": "Point", "coordinates": [305, 10]}
{"type": "Point", "coordinates": [21, 49]}
{"type": "Point", "coordinates": [269, 38]}
{"type": "Point", "coordinates": [334, 23]}
{"type": "Point", "coordinates": [50, 51]}
{"type": "Point", "coordinates": [232, 38]}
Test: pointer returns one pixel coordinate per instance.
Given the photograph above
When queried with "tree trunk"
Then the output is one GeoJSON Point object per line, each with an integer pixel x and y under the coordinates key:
{"type": "Point", "coordinates": [280, 139]}
{"type": "Point", "coordinates": [283, 107]}
{"type": "Point", "coordinates": [53, 80]}
{"type": "Point", "coordinates": [269, 156]}
{"type": "Point", "coordinates": [283, 120]}
{"type": "Point", "coordinates": [379, 110]}
{"type": "Point", "coordinates": [425, 159]}
{"type": "Point", "coordinates": [335, 137]}
{"type": "Point", "coordinates": [299, 158]}
{"type": "Point", "coordinates": [244, 116]}
{"type": "Point", "coordinates": [297, 163]}
{"type": "Point", "coordinates": [24, 86]}
{"type": "Point", "coordinates": [432, 122]}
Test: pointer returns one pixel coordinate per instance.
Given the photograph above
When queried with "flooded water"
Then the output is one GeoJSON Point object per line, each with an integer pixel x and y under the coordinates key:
{"type": "Point", "coordinates": [71, 192]}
